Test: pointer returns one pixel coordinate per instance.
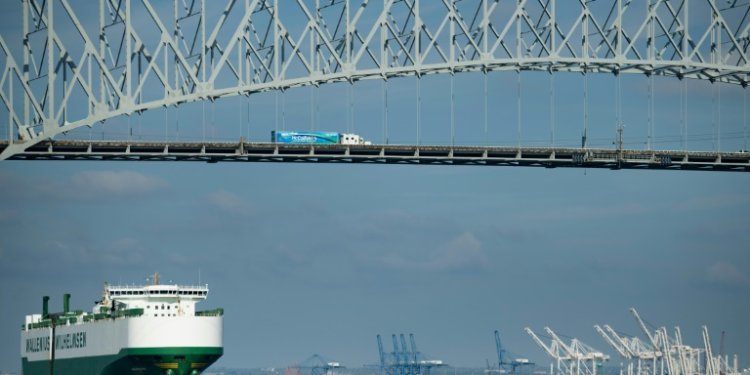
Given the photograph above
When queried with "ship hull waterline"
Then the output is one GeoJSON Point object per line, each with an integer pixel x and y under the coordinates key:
{"type": "Point", "coordinates": [142, 361]}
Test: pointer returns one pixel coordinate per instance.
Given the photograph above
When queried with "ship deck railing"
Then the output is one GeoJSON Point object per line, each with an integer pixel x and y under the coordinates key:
{"type": "Point", "coordinates": [214, 312]}
{"type": "Point", "coordinates": [74, 317]}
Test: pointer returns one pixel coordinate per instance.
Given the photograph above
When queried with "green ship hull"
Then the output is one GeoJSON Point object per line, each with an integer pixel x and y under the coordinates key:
{"type": "Point", "coordinates": [142, 361]}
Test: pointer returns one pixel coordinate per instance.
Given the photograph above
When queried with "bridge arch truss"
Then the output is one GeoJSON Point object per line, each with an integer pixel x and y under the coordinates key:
{"type": "Point", "coordinates": [78, 65]}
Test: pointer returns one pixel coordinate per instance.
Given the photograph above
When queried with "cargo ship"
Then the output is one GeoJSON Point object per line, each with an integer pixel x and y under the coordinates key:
{"type": "Point", "coordinates": [149, 329]}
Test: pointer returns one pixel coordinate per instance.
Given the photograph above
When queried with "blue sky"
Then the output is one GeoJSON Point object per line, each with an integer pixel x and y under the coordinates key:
{"type": "Point", "coordinates": [318, 259]}
{"type": "Point", "coordinates": [312, 258]}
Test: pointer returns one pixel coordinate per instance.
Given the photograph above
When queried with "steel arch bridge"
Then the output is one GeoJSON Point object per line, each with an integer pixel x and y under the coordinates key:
{"type": "Point", "coordinates": [74, 65]}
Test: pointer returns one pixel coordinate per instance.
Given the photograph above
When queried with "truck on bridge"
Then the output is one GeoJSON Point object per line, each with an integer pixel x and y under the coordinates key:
{"type": "Point", "coordinates": [316, 137]}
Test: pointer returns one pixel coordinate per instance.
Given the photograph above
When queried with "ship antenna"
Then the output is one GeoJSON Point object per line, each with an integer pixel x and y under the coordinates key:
{"type": "Point", "coordinates": [156, 278]}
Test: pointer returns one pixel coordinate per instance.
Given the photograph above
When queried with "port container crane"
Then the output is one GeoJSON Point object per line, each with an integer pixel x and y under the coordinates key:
{"type": "Point", "coordinates": [502, 360]}
{"type": "Point", "coordinates": [653, 338]}
{"type": "Point", "coordinates": [710, 360]}
{"type": "Point", "coordinates": [619, 345]}
{"type": "Point", "coordinates": [640, 356]}
{"type": "Point", "coordinates": [575, 358]}
{"type": "Point", "coordinates": [402, 360]}
{"type": "Point", "coordinates": [315, 365]}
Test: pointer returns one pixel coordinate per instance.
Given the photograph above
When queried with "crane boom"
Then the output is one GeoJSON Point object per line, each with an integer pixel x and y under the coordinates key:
{"type": "Point", "coordinates": [413, 347]}
{"type": "Point", "coordinates": [710, 368]}
{"type": "Point", "coordinates": [396, 353]}
{"type": "Point", "coordinates": [560, 342]}
{"type": "Point", "coordinates": [500, 350]}
{"type": "Point", "coordinates": [405, 355]}
{"type": "Point", "coordinates": [680, 350]}
{"type": "Point", "coordinates": [666, 350]}
{"type": "Point", "coordinates": [630, 349]}
{"type": "Point", "coordinates": [723, 361]}
{"type": "Point", "coordinates": [381, 352]}
{"type": "Point", "coordinates": [541, 344]}
{"type": "Point", "coordinates": [645, 329]}
{"type": "Point", "coordinates": [622, 349]}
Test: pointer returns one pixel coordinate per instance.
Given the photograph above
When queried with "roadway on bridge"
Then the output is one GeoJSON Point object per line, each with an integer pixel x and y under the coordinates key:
{"type": "Point", "coordinates": [549, 157]}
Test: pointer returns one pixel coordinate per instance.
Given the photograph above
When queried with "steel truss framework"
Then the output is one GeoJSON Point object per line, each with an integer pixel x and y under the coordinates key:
{"type": "Point", "coordinates": [140, 57]}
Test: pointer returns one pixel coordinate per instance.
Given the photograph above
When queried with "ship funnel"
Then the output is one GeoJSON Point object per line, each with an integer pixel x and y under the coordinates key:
{"type": "Point", "coordinates": [66, 303]}
{"type": "Point", "coordinates": [45, 307]}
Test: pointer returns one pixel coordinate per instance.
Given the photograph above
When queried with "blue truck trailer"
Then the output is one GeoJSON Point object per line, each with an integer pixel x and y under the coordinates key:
{"type": "Point", "coordinates": [316, 137]}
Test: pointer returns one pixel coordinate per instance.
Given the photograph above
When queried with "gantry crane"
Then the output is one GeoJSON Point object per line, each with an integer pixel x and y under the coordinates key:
{"type": "Point", "coordinates": [404, 361]}
{"type": "Point", "coordinates": [315, 365]}
{"type": "Point", "coordinates": [640, 356]}
{"type": "Point", "coordinates": [575, 358]}
{"type": "Point", "coordinates": [502, 360]}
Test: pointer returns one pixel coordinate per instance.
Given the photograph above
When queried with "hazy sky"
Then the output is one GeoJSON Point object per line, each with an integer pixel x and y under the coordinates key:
{"type": "Point", "coordinates": [309, 258]}
{"type": "Point", "coordinates": [321, 258]}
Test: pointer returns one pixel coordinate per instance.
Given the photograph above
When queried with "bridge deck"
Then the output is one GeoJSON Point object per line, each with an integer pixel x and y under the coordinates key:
{"type": "Point", "coordinates": [385, 154]}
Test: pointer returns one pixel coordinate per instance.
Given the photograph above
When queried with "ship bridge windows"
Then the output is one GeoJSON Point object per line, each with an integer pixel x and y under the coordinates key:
{"type": "Point", "coordinates": [127, 292]}
{"type": "Point", "coordinates": [191, 292]}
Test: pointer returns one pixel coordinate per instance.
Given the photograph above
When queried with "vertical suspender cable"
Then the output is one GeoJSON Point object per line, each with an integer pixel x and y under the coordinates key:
{"type": "Point", "coordinates": [177, 121]}
{"type": "Point", "coordinates": [102, 38]}
{"type": "Point", "coordinates": [653, 108]}
{"type": "Point", "coordinates": [713, 114]}
{"type": "Point", "coordinates": [685, 115]}
{"type": "Point", "coordinates": [518, 72]}
{"type": "Point", "coordinates": [585, 109]}
{"type": "Point", "coordinates": [276, 117]}
{"type": "Point", "coordinates": [418, 48]}
{"type": "Point", "coordinates": [349, 108]}
{"type": "Point", "coordinates": [744, 118]}
{"type": "Point", "coordinates": [552, 108]}
{"type": "Point", "coordinates": [518, 131]}
{"type": "Point", "coordinates": [240, 82]}
{"type": "Point", "coordinates": [10, 112]}
{"type": "Point", "coordinates": [248, 116]}
{"type": "Point", "coordinates": [618, 102]}
{"type": "Point", "coordinates": [166, 123]}
{"type": "Point", "coordinates": [683, 126]}
{"type": "Point", "coordinates": [26, 55]}
{"type": "Point", "coordinates": [314, 62]}
{"type": "Point", "coordinates": [486, 118]}
{"type": "Point", "coordinates": [650, 121]}
{"type": "Point", "coordinates": [203, 39]}
{"type": "Point", "coordinates": [354, 108]}
{"type": "Point", "coordinates": [718, 115]}
{"type": "Point", "coordinates": [453, 114]}
{"type": "Point", "coordinates": [276, 55]}
{"type": "Point", "coordinates": [385, 110]}
{"type": "Point", "coordinates": [241, 117]}
{"type": "Point", "coordinates": [175, 33]}
{"type": "Point", "coordinates": [348, 44]}
{"type": "Point", "coordinates": [419, 110]}
{"type": "Point", "coordinates": [618, 113]}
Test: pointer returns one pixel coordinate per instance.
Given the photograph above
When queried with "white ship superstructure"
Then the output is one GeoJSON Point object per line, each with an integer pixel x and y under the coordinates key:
{"type": "Point", "coordinates": [152, 329]}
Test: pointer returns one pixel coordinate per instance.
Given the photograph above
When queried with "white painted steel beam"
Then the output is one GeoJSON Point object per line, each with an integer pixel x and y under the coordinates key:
{"type": "Point", "coordinates": [352, 40]}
